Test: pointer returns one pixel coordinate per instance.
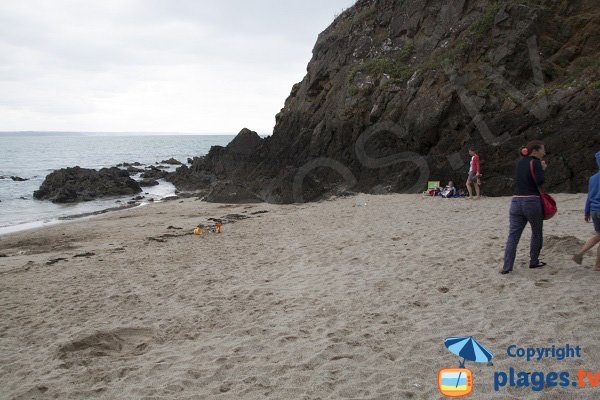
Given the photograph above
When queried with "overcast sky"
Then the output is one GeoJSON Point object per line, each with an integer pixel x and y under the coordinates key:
{"type": "Point", "coordinates": [189, 66]}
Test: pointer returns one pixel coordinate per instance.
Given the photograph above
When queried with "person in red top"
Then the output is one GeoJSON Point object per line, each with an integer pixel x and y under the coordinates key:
{"type": "Point", "coordinates": [474, 175]}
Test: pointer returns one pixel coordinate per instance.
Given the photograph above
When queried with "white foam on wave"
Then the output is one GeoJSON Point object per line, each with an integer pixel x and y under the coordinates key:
{"type": "Point", "coordinates": [4, 230]}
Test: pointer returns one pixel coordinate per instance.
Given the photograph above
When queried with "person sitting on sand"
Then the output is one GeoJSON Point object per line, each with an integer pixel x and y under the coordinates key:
{"type": "Point", "coordinates": [449, 190]}
{"type": "Point", "coordinates": [474, 175]}
{"type": "Point", "coordinates": [592, 212]}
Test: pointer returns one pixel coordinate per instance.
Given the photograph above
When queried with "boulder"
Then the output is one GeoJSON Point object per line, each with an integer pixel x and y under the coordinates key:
{"type": "Point", "coordinates": [147, 182]}
{"type": "Point", "coordinates": [153, 172]}
{"type": "Point", "coordinates": [171, 161]}
{"type": "Point", "coordinates": [133, 164]}
{"type": "Point", "coordinates": [133, 170]}
{"type": "Point", "coordinates": [75, 184]}
{"type": "Point", "coordinates": [18, 179]}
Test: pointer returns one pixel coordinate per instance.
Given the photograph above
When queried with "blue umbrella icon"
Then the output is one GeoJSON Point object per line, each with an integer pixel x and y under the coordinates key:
{"type": "Point", "coordinates": [469, 349]}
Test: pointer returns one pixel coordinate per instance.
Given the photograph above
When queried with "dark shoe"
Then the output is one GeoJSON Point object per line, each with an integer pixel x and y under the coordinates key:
{"type": "Point", "coordinates": [540, 265]}
{"type": "Point", "coordinates": [503, 272]}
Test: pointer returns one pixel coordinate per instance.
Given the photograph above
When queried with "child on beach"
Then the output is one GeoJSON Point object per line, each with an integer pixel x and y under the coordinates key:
{"type": "Point", "coordinates": [449, 190]}
{"type": "Point", "coordinates": [474, 175]}
{"type": "Point", "coordinates": [592, 212]}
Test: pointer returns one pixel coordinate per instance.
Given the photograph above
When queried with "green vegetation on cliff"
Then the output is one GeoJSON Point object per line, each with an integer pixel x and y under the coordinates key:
{"type": "Point", "coordinates": [479, 29]}
{"type": "Point", "coordinates": [395, 65]}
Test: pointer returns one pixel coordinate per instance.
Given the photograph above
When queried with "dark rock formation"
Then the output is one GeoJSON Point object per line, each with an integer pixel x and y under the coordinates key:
{"type": "Point", "coordinates": [18, 179]}
{"type": "Point", "coordinates": [147, 182]}
{"type": "Point", "coordinates": [171, 161]}
{"type": "Point", "coordinates": [246, 142]}
{"type": "Point", "coordinates": [70, 185]}
{"type": "Point", "coordinates": [133, 164]}
{"type": "Point", "coordinates": [153, 172]}
{"type": "Point", "coordinates": [133, 170]}
{"type": "Point", "coordinates": [397, 91]}
{"type": "Point", "coordinates": [226, 192]}
{"type": "Point", "coordinates": [192, 178]}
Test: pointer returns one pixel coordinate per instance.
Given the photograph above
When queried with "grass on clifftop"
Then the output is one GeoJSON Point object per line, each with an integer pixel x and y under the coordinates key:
{"type": "Point", "coordinates": [345, 21]}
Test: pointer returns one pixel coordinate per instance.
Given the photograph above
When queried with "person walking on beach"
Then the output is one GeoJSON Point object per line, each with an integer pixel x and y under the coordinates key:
{"type": "Point", "coordinates": [592, 212]}
{"type": "Point", "coordinates": [526, 205]}
{"type": "Point", "coordinates": [474, 175]}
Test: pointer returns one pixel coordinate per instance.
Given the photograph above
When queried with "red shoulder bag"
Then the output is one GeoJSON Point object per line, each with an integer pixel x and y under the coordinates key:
{"type": "Point", "coordinates": [548, 203]}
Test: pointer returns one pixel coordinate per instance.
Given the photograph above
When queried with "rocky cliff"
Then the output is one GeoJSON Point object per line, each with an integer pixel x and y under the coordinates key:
{"type": "Point", "coordinates": [397, 90]}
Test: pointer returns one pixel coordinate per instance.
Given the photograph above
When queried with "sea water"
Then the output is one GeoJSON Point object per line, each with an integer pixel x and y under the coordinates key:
{"type": "Point", "coordinates": [33, 156]}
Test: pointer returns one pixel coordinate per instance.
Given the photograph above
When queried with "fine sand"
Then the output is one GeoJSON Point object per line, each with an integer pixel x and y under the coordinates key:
{"type": "Point", "coordinates": [328, 300]}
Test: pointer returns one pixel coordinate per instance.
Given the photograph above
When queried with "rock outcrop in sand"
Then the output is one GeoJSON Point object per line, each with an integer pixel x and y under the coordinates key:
{"type": "Point", "coordinates": [68, 185]}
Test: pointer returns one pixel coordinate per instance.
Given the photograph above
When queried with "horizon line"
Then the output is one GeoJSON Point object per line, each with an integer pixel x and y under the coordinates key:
{"type": "Point", "coordinates": [129, 133]}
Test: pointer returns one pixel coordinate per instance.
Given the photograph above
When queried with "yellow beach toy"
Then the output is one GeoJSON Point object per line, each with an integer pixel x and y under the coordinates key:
{"type": "Point", "coordinates": [198, 231]}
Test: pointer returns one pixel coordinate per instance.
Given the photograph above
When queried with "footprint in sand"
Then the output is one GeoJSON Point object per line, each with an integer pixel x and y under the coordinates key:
{"type": "Point", "coordinates": [86, 255]}
{"type": "Point", "coordinates": [544, 283]}
{"type": "Point", "coordinates": [341, 357]}
{"type": "Point", "coordinates": [55, 260]}
{"type": "Point", "coordinates": [118, 342]}
{"type": "Point", "coordinates": [38, 392]}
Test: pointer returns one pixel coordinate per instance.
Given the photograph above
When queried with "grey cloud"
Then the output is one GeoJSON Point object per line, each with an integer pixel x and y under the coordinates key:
{"type": "Point", "coordinates": [100, 53]}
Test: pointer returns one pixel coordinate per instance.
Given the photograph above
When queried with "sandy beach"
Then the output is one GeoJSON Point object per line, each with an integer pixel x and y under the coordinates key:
{"type": "Point", "coordinates": [327, 300]}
